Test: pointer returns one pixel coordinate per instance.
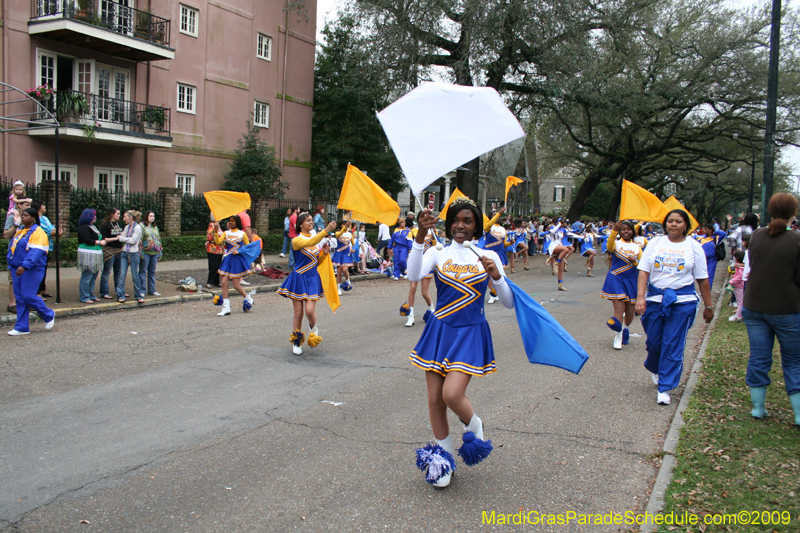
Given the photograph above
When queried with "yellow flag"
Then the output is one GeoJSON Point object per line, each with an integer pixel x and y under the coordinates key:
{"type": "Point", "coordinates": [456, 194]}
{"type": "Point", "coordinates": [510, 182]}
{"type": "Point", "coordinates": [328, 279]}
{"type": "Point", "coordinates": [673, 203]}
{"type": "Point", "coordinates": [368, 202]}
{"type": "Point", "coordinates": [640, 204]}
{"type": "Point", "coordinates": [224, 204]}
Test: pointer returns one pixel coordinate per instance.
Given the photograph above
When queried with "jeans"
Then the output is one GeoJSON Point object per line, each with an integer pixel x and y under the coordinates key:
{"type": "Point", "coordinates": [111, 263]}
{"type": "Point", "coordinates": [286, 242]}
{"type": "Point", "coordinates": [132, 259]}
{"type": "Point", "coordinates": [381, 245]}
{"type": "Point", "coordinates": [147, 272]}
{"type": "Point", "coordinates": [291, 258]}
{"type": "Point", "coordinates": [214, 261]}
{"type": "Point", "coordinates": [762, 328]}
{"type": "Point", "coordinates": [86, 286]}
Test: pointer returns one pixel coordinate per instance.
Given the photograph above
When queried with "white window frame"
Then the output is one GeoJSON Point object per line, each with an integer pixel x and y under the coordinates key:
{"type": "Point", "coordinates": [258, 115]}
{"type": "Point", "coordinates": [260, 39]}
{"type": "Point", "coordinates": [111, 171]}
{"type": "Point", "coordinates": [188, 10]}
{"type": "Point", "coordinates": [181, 180]}
{"type": "Point", "coordinates": [556, 190]}
{"type": "Point", "coordinates": [191, 102]}
{"type": "Point", "coordinates": [72, 169]}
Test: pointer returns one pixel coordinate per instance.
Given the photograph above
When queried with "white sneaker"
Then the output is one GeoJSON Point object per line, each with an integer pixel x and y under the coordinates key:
{"type": "Point", "coordinates": [734, 318]}
{"type": "Point", "coordinates": [618, 340]}
{"type": "Point", "coordinates": [14, 332]}
{"type": "Point", "coordinates": [655, 379]}
{"type": "Point", "coordinates": [663, 398]}
{"type": "Point", "coordinates": [156, 294]}
{"type": "Point", "coordinates": [395, 279]}
{"type": "Point", "coordinates": [244, 282]}
{"type": "Point", "coordinates": [493, 299]}
{"type": "Point", "coordinates": [410, 321]}
{"type": "Point", "coordinates": [49, 325]}
{"type": "Point", "coordinates": [282, 255]}
{"type": "Point", "coordinates": [297, 350]}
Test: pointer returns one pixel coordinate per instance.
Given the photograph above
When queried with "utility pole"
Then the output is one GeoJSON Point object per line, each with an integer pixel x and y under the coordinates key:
{"type": "Point", "coordinates": [772, 105]}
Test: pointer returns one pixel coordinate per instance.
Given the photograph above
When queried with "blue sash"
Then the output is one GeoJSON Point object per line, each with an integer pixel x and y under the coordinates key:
{"type": "Point", "coordinates": [669, 296]}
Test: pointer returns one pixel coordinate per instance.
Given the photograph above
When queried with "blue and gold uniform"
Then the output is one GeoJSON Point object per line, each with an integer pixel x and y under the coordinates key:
{"type": "Point", "coordinates": [236, 265]}
{"type": "Point", "coordinates": [344, 248]}
{"type": "Point", "coordinates": [304, 282]}
{"type": "Point", "coordinates": [400, 246]}
{"type": "Point", "coordinates": [494, 238]}
{"type": "Point", "coordinates": [620, 282]}
{"type": "Point", "coordinates": [28, 249]}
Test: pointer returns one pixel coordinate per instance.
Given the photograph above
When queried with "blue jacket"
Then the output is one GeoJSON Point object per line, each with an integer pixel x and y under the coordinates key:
{"type": "Point", "coordinates": [28, 249]}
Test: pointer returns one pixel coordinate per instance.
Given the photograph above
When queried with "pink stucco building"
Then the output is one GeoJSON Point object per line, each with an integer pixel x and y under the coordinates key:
{"type": "Point", "coordinates": [160, 89]}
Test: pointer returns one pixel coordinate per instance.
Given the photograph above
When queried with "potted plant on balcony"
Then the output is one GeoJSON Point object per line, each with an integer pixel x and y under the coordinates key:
{"type": "Point", "coordinates": [153, 119]}
{"type": "Point", "coordinates": [42, 93]}
{"type": "Point", "coordinates": [142, 30]}
{"type": "Point", "coordinates": [84, 11]}
{"type": "Point", "coordinates": [71, 105]}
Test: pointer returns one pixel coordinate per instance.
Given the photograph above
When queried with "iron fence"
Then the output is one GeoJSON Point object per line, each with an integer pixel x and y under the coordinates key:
{"type": "Point", "coordinates": [103, 200]}
{"type": "Point", "coordinates": [32, 191]}
{"type": "Point", "coordinates": [107, 14]}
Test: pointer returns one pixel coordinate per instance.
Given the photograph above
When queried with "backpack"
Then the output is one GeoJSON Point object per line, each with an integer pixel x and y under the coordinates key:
{"type": "Point", "coordinates": [720, 250]}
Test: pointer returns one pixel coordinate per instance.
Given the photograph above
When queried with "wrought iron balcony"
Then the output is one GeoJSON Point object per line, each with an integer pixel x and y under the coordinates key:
{"type": "Point", "coordinates": [103, 25]}
{"type": "Point", "coordinates": [108, 120]}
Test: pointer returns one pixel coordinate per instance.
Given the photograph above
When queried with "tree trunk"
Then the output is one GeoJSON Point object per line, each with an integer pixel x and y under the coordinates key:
{"type": "Point", "coordinates": [613, 207]}
{"type": "Point", "coordinates": [467, 180]}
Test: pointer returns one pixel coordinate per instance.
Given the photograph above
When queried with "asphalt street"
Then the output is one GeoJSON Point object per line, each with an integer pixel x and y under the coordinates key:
{"type": "Point", "coordinates": [172, 419]}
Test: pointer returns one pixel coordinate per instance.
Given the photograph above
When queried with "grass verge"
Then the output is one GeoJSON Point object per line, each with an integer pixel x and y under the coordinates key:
{"type": "Point", "coordinates": [729, 463]}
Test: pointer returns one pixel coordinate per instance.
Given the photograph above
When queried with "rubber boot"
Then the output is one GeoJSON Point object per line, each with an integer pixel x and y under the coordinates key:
{"type": "Point", "coordinates": [795, 399]}
{"type": "Point", "coordinates": [226, 308]}
{"type": "Point", "coordinates": [758, 397]}
{"type": "Point", "coordinates": [410, 321]}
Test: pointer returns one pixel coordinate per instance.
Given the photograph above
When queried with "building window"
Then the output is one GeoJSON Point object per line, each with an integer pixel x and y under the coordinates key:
{"type": "Point", "coordinates": [558, 193]}
{"type": "Point", "coordinates": [185, 182]}
{"type": "Point", "coordinates": [186, 98]}
{"type": "Point", "coordinates": [46, 171]}
{"type": "Point", "coordinates": [111, 179]}
{"type": "Point", "coordinates": [189, 20]}
{"type": "Point", "coordinates": [261, 114]}
{"type": "Point", "coordinates": [264, 47]}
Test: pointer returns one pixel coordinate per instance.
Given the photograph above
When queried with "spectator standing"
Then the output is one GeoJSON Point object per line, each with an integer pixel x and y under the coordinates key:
{"type": "Point", "coordinates": [214, 252]}
{"type": "Point", "coordinates": [772, 304]}
{"type": "Point", "coordinates": [319, 221]}
{"type": "Point", "coordinates": [151, 252]}
{"type": "Point", "coordinates": [90, 255]}
{"type": "Point", "coordinates": [13, 222]}
{"type": "Point", "coordinates": [384, 238]}
{"type": "Point", "coordinates": [131, 238]}
{"type": "Point", "coordinates": [110, 231]}
{"type": "Point", "coordinates": [286, 240]}
{"type": "Point", "coordinates": [293, 232]}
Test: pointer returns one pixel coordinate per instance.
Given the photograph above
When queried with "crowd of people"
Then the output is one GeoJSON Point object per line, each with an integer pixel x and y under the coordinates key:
{"type": "Point", "coordinates": [660, 274]}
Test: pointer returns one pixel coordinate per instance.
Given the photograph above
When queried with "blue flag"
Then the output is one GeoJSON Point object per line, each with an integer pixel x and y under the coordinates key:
{"type": "Point", "coordinates": [251, 251]}
{"type": "Point", "coordinates": [546, 341]}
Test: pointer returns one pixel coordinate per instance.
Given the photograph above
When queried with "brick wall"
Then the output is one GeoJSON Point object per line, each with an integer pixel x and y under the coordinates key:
{"type": "Point", "coordinates": [49, 199]}
{"type": "Point", "coordinates": [170, 200]}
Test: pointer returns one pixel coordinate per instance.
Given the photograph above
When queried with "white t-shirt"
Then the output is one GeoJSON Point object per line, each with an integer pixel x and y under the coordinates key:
{"type": "Point", "coordinates": [674, 265]}
{"type": "Point", "coordinates": [383, 232]}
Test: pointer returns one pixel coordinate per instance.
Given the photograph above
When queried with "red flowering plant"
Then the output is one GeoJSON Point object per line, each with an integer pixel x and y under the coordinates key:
{"type": "Point", "coordinates": [42, 92]}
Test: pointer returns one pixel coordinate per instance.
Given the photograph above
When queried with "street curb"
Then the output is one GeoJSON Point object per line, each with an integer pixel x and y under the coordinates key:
{"type": "Point", "coordinates": [656, 503]}
{"type": "Point", "coordinates": [163, 300]}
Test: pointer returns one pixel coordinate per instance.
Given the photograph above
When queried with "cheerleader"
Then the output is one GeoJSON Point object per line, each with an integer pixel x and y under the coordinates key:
{"type": "Point", "coordinates": [640, 237]}
{"type": "Point", "coordinates": [304, 286]}
{"type": "Point", "coordinates": [494, 239]}
{"type": "Point", "coordinates": [408, 308]}
{"type": "Point", "coordinates": [342, 258]}
{"type": "Point", "coordinates": [235, 262]}
{"type": "Point", "coordinates": [522, 242]}
{"type": "Point", "coordinates": [400, 246]}
{"type": "Point", "coordinates": [587, 249]}
{"type": "Point", "coordinates": [558, 253]}
{"type": "Point", "coordinates": [456, 343]}
{"type": "Point", "coordinates": [620, 283]}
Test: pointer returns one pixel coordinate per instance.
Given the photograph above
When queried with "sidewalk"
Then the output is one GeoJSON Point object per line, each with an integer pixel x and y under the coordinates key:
{"type": "Point", "coordinates": [168, 273]}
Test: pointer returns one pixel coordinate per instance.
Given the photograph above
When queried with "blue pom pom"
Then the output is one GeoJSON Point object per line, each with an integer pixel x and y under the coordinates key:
{"type": "Point", "coordinates": [346, 286]}
{"type": "Point", "coordinates": [427, 315]}
{"type": "Point", "coordinates": [474, 450]}
{"type": "Point", "coordinates": [246, 306]}
{"type": "Point", "coordinates": [614, 324]}
{"type": "Point", "coordinates": [435, 461]}
{"type": "Point", "coordinates": [405, 310]}
{"type": "Point", "coordinates": [626, 335]}
{"type": "Point", "coordinates": [216, 300]}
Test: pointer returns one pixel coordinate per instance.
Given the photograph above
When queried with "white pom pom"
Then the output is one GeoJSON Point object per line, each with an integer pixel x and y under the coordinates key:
{"type": "Point", "coordinates": [439, 246]}
{"type": "Point", "coordinates": [467, 244]}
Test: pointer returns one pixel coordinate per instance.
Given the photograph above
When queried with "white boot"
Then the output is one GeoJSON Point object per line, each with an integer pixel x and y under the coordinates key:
{"type": "Point", "coordinates": [410, 321]}
{"type": "Point", "coordinates": [493, 299]}
{"type": "Point", "coordinates": [340, 290]}
{"type": "Point", "coordinates": [475, 425]}
{"type": "Point", "coordinates": [226, 308]}
{"type": "Point", "coordinates": [447, 444]}
{"type": "Point", "coordinates": [618, 340]}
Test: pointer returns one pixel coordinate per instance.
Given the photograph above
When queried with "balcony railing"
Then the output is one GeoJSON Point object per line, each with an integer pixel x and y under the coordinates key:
{"type": "Point", "coordinates": [109, 15]}
{"type": "Point", "coordinates": [106, 114]}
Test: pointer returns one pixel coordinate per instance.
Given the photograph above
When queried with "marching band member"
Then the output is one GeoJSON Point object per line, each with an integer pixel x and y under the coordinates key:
{"type": "Point", "coordinates": [304, 286]}
{"type": "Point", "coordinates": [620, 283]}
{"type": "Point", "coordinates": [408, 308]}
{"type": "Point", "coordinates": [342, 258]}
{"type": "Point", "coordinates": [400, 246]}
{"type": "Point", "coordinates": [494, 239]}
{"type": "Point", "coordinates": [235, 262]}
{"type": "Point", "coordinates": [456, 343]}
{"type": "Point", "coordinates": [587, 249]}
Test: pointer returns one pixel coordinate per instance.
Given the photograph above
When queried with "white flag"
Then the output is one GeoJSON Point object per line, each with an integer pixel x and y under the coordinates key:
{"type": "Point", "coordinates": [438, 127]}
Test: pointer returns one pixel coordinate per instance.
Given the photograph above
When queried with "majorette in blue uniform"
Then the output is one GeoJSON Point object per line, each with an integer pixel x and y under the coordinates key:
{"type": "Point", "coordinates": [236, 265]}
{"type": "Point", "coordinates": [344, 247]}
{"type": "Point", "coordinates": [494, 239]}
{"type": "Point", "coordinates": [304, 282]}
{"type": "Point", "coordinates": [400, 246]}
{"type": "Point", "coordinates": [620, 283]}
{"type": "Point", "coordinates": [28, 249]}
{"type": "Point", "coordinates": [587, 242]}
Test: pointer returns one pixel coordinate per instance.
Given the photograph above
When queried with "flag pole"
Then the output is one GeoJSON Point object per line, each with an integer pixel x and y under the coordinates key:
{"type": "Point", "coordinates": [439, 245]}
